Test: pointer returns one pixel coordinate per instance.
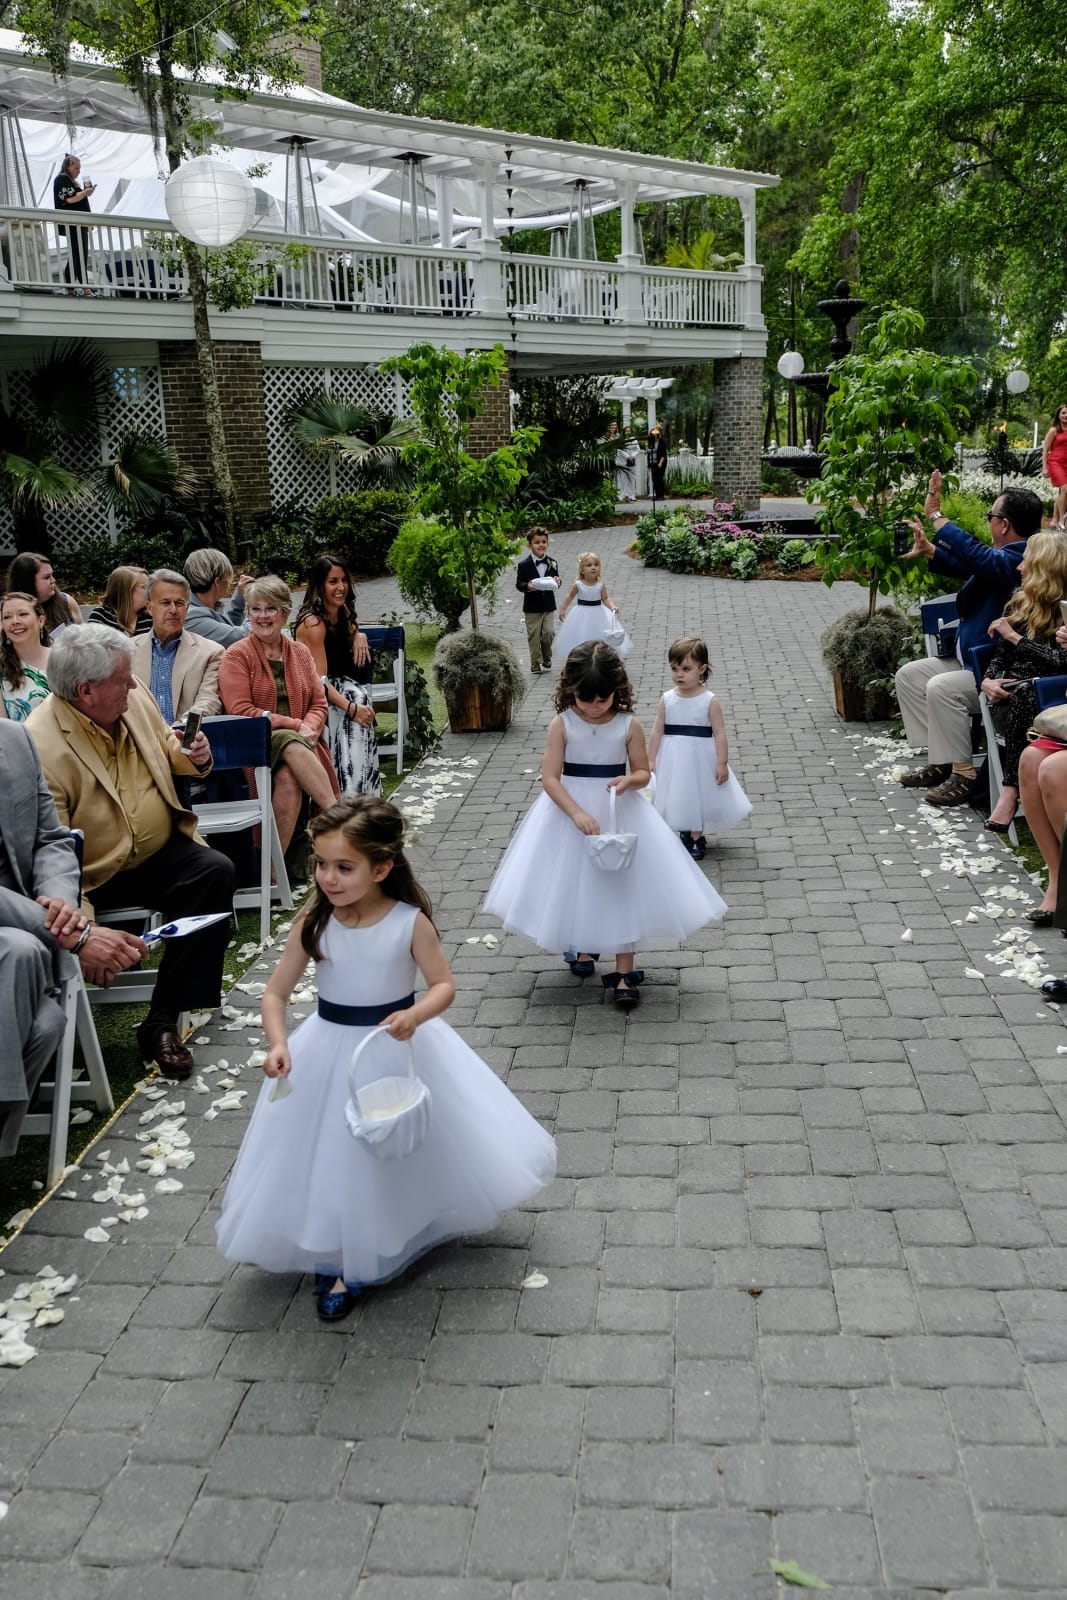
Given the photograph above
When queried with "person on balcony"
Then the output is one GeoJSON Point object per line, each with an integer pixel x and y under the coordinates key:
{"type": "Point", "coordinates": [68, 194]}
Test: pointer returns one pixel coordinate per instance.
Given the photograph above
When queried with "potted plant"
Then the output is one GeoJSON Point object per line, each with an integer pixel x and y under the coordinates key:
{"type": "Point", "coordinates": [893, 415]}
{"type": "Point", "coordinates": [863, 653]}
{"type": "Point", "coordinates": [481, 679]}
{"type": "Point", "coordinates": [470, 500]}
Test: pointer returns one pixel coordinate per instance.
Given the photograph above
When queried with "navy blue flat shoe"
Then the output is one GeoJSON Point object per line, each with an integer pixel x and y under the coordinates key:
{"type": "Point", "coordinates": [336, 1303]}
{"type": "Point", "coordinates": [698, 849]}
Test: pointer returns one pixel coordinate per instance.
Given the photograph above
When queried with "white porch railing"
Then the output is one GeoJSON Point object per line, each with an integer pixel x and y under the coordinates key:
{"type": "Point", "coordinates": [135, 258]}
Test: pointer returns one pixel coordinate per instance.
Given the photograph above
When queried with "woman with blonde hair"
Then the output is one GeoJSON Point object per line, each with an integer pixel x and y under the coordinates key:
{"type": "Point", "coordinates": [122, 604]}
{"type": "Point", "coordinates": [1027, 648]}
{"type": "Point", "coordinates": [269, 674]}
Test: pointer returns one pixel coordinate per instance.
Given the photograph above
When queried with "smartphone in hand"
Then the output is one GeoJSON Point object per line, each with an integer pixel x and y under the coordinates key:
{"type": "Point", "coordinates": [193, 719]}
{"type": "Point", "coordinates": [903, 538]}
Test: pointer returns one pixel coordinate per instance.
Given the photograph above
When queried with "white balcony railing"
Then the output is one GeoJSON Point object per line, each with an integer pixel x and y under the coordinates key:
{"type": "Point", "coordinates": [133, 258]}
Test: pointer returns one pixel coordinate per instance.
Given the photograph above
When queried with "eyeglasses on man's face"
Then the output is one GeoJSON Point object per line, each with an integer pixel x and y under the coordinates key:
{"type": "Point", "coordinates": [996, 516]}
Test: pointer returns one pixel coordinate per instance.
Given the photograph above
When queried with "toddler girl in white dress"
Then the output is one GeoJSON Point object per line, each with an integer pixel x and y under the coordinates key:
{"type": "Point", "coordinates": [695, 788]}
{"type": "Point", "coordinates": [588, 612]}
{"type": "Point", "coordinates": [304, 1195]}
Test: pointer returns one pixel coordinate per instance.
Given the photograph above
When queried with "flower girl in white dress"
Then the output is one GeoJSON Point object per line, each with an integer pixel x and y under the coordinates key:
{"type": "Point", "coordinates": [304, 1195]}
{"type": "Point", "coordinates": [588, 612]}
{"type": "Point", "coordinates": [695, 788]}
{"type": "Point", "coordinates": [549, 887]}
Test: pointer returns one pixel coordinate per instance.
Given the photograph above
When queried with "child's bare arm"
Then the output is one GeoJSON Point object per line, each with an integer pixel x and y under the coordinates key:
{"type": "Point", "coordinates": [722, 751]}
{"type": "Point", "coordinates": [637, 756]}
{"type": "Point", "coordinates": [657, 733]}
{"type": "Point", "coordinates": [606, 598]}
{"type": "Point", "coordinates": [567, 600]}
{"type": "Point", "coordinates": [283, 981]}
{"type": "Point", "coordinates": [441, 989]}
{"type": "Point", "coordinates": [552, 780]}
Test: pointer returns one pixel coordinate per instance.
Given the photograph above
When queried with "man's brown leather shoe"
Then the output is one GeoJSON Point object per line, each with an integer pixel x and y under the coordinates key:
{"type": "Point", "coordinates": [160, 1044]}
{"type": "Point", "coordinates": [926, 777]}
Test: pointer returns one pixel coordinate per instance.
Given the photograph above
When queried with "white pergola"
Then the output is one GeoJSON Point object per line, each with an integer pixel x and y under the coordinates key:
{"type": "Point", "coordinates": [475, 183]}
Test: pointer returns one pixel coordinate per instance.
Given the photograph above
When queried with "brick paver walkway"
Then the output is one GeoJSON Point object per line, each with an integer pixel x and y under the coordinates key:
{"type": "Point", "coordinates": [805, 1253]}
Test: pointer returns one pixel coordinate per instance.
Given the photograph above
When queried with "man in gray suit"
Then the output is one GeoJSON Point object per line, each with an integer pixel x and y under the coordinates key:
{"type": "Point", "coordinates": [39, 916]}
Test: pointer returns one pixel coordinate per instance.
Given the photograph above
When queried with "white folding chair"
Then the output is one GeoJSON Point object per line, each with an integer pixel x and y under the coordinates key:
{"type": "Point", "coordinates": [386, 693]}
{"type": "Point", "coordinates": [62, 1090]}
{"type": "Point", "coordinates": [245, 742]}
{"type": "Point", "coordinates": [981, 655]}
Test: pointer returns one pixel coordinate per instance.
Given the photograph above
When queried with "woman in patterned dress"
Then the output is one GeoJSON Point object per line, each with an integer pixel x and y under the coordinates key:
{"type": "Point", "coordinates": [326, 623]}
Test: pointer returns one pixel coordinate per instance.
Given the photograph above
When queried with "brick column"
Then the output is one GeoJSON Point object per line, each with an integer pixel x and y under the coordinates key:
{"type": "Point", "coordinates": [492, 426]}
{"type": "Point", "coordinates": [240, 373]}
{"type": "Point", "coordinates": [737, 423]}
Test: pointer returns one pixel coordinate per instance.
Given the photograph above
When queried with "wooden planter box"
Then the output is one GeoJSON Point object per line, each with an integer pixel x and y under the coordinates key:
{"type": "Point", "coordinates": [474, 710]}
{"type": "Point", "coordinates": [851, 702]}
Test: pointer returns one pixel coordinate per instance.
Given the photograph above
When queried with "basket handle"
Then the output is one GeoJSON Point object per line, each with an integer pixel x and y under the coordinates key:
{"type": "Point", "coordinates": [612, 826]}
{"type": "Point", "coordinates": [365, 1041]}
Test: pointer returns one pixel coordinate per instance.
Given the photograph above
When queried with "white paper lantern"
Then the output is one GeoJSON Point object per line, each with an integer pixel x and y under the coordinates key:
{"type": "Point", "coordinates": [1017, 381]}
{"type": "Point", "coordinates": [791, 364]}
{"type": "Point", "coordinates": [210, 201]}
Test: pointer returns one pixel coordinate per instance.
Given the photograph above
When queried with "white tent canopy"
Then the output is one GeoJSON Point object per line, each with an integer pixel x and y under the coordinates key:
{"type": "Point", "coordinates": [358, 158]}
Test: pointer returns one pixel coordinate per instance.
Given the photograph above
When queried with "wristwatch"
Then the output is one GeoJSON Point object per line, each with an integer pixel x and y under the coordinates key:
{"type": "Point", "coordinates": [82, 939]}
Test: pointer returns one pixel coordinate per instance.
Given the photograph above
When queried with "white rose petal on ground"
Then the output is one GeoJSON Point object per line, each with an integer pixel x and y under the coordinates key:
{"type": "Point", "coordinates": [905, 937]}
{"type": "Point", "coordinates": [169, 1186]}
{"type": "Point", "coordinates": [97, 1236]}
{"type": "Point", "coordinates": [536, 1280]}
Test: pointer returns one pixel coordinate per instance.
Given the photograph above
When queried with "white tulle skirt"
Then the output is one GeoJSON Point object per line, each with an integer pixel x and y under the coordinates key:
{"type": "Point", "coordinates": [304, 1196]}
{"type": "Point", "coordinates": [583, 623]}
{"type": "Point", "coordinates": [687, 796]}
{"type": "Point", "coordinates": [548, 888]}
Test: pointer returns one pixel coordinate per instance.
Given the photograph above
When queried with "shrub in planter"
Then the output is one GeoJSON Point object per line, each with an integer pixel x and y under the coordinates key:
{"type": "Point", "coordinates": [419, 558]}
{"type": "Point", "coordinates": [863, 652]}
{"type": "Point", "coordinates": [361, 527]}
{"type": "Point", "coordinates": [481, 679]}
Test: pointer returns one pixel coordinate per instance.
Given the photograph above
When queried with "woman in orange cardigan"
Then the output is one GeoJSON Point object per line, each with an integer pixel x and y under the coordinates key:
{"type": "Point", "coordinates": [270, 674]}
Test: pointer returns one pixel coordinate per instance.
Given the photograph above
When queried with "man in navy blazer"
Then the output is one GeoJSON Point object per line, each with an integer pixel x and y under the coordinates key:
{"type": "Point", "coordinates": [937, 697]}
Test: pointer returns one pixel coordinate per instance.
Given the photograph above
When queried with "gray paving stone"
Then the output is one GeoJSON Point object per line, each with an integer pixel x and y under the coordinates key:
{"type": "Point", "coordinates": [838, 1546]}
{"type": "Point", "coordinates": [716, 1402]}
{"type": "Point", "coordinates": [86, 1461]}
{"type": "Point", "coordinates": [389, 1471]}
{"type": "Point", "coordinates": [537, 1430]}
{"type": "Point", "coordinates": [1027, 1550]}
{"type": "Point", "coordinates": [45, 1525]}
{"type": "Point", "coordinates": [927, 1533]}
{"type": "Point", "coordinates": [142, 1517]}
{"type": "Point", "coordinates": [631, 1544]}
{"type": "Point", "coordinates": [784, 1476]}
{"type": "Point", "coordinates": [718, 1552]}
{"type": "Point", "coordinates": [522, 1527]}
{"type": "Point", "coordinates": [904, 1431]}
{"type": "Point", "coordinates": [938, 1362]}
{"type": "Point", "coordinates": [319, 1547]}
{"type": "Point", "coordinates": [450, 1411]}
{"type": "Point", "coordinates": [274, 1466]}
{"type": "Point", "coordinates": [808, 1416]}
{"type": "Point", "coordinates": [628, 1413]}
{"type": "Point", "coordinates": [228, 1534]}
{"type": "Point", "coordinates": [190, 1422]}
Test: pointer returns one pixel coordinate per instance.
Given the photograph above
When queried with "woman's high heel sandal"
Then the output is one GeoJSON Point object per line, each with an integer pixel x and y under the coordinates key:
{"type": "Point", "coordinates": [622, 986]}
{"type": "Point", "coordinates": [1000, 827]}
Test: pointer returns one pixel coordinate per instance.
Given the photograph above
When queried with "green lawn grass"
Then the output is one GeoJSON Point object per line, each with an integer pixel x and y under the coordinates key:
{"type": "Point", "coordinates": [115, 1024]}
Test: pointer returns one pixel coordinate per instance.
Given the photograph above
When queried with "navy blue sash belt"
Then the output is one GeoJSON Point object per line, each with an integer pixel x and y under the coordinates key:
{"type": "Point", "coordinates": [362, 1016]}
{"type": "Point", "coordinates": [688, 730]}
{"type": "Point", "coordinates": [590, 602]}
{"type": "Point", "coordinates": [585, 769]}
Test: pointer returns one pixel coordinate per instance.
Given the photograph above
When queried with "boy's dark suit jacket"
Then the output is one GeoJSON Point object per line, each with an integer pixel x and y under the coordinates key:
{"type": "Point", "coordinates": [536, 599]}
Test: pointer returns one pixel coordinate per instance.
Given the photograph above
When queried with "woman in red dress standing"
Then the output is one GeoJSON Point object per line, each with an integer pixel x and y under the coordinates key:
{"type": "Point", "coordinates": [1054, 463]}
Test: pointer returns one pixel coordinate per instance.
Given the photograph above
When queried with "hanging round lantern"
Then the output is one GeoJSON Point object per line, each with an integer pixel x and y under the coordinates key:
{"type": "Point", "coordinates": [791, 364]}
{"type": "Point", "coordinates": [1017, 381]}
{"type": "Point", "coordinates": [209, 201]}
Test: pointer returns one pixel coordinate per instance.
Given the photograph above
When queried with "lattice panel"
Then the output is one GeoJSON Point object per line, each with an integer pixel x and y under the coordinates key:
{"type": "Point", "coordinates": [134, 400]}
{"type": "Point", "coordinates": [295, 475]}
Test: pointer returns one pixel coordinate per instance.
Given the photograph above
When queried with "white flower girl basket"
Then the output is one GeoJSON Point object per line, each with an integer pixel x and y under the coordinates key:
{"type": "Point", "coordinates": [611, 851]}
{"type": "Point", "coordinates": [389, 1116]}
{"type": "Point", "coordinates": [615, 633]}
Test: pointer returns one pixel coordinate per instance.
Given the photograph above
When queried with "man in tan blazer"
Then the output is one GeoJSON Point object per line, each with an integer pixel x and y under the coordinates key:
{"type": "Point", "coordinates": [109, 760]}
{"type": "Point", "coordinates": [179, 669]}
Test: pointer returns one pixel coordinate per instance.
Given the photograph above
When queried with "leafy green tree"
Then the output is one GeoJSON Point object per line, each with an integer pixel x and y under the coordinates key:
{"type": "Point", "coordinates": [893, 415]}
{"type": "Point", "coordinates": [158, 47]}
{"type": "Point", "coordinates": [471, 498]}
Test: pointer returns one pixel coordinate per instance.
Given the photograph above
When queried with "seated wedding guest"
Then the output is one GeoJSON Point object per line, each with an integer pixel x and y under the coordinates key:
{"type": "Point", "coordinates": [33, 574]}
{"type": "Point", "coordinates": [39, 916]}
{"type": "Point", "coordinates": [269, 674]}
{"type": "Point", "coordinates": [180, 669]}
{"type": "Point", "coordinates": [110, 760]}
{"type": "Point", "coordinates": [326, 623]}
{"type": "Point", "coordinates": [1026, 648]}
{"type": "Point", "coordinates": [24, 649]}
{"type": "Point", "coordinates": [122, 604]}
{"type": "Point", "coordinates": [211, 614]}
